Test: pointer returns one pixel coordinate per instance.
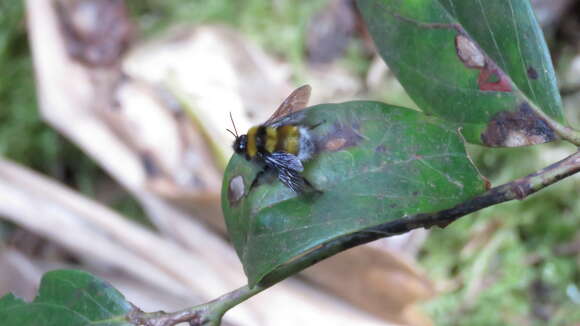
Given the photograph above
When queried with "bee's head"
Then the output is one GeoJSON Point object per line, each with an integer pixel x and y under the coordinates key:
{"type": "Point", "coordinates": [240, 144]}
{"type": "Point", "coordinates": [241, 141]}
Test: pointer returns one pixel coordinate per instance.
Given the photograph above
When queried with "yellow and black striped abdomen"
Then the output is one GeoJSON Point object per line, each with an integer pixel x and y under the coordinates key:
{"type": "Point", "coordinates": [267, 140]}
{"type": "Point", "coordinates": [288, 139]}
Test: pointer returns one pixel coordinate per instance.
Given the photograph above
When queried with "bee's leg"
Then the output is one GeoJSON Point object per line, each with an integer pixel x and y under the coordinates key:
{"type": "Point", "coordinates": [259, 176]}
{"type": "Point", "coordinates": [309, 185]}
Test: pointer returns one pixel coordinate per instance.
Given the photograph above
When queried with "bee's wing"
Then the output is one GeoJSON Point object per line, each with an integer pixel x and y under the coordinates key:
{"type": "Point", "coordinates": [284, 160]}
{"type": "Point", "coordinates": [293, 180]}
{"type": "Point", "coordinates": [296, 101]}
{"type": "Point", "coordinates": [289, 167]}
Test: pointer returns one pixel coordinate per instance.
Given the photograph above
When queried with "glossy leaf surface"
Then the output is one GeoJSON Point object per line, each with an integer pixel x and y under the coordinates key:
{"type": "Point", "coordinates": [481, 63]}
{"type": "Point", "coordinates": [375, 163]}
{"type": "Point", "coordinates": [67, 297]}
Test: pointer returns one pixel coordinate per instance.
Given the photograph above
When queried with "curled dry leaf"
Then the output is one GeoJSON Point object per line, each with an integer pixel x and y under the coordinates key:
{"type": "Point", "coordinates": [115, 113]}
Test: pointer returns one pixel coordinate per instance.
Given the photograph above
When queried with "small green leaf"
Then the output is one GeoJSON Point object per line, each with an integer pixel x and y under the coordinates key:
{"type": "Point", "coordinates": [68, 298]}
{"type": "Point", "coordinates": [481, 63]}
{"type": "Point", "coordinates": [375, 163]}
{"type": "Point", "coordinates": [10, 301]}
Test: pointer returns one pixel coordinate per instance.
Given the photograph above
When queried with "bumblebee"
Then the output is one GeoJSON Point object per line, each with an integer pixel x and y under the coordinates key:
{"type": "Point", "coordinates": [281, 144]}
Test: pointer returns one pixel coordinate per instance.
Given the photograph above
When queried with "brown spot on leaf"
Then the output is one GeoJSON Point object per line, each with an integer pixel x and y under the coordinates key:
{"type": "Point", "coordinates": [532, 73]}
{"type": "Point", "coordinates": [341, 136]}
{"type": "Point", "coordinates": [334, 144]}
{"type": "Point", "coordinates": [236, 190]}
{"type": "Point", "coordinates": [468, 52]}
{"type": "Point", "coordinates": [520, 128]}
{"type": "Point", "coordinates": [491, 77]}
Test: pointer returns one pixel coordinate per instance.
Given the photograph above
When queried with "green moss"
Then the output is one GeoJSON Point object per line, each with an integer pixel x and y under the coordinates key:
{"type": "Point", "coordinates": [525, 279]}
{"type": "Point", "coordinates": [23, 137]}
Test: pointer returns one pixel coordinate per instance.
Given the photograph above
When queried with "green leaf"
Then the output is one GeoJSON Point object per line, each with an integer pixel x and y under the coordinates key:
{"type": "Point", "coordinates": [375, 163]}
{"type": "Point", "coordinates": [68, 298]}
{"type": "Point", "coordinates": [481, 63]}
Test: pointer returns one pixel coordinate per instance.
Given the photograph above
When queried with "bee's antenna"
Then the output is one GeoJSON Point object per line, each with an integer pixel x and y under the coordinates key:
{"type": "Point", "coordinates": [231, 132]}
{"type": "Point", "coordinates": [233, 124]}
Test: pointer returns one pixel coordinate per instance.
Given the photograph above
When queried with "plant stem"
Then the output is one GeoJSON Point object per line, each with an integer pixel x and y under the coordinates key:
{"type": "Point", "coordinates": [230, 300]}
{"type": "Point", "coordinates": [212, 312]}
{"type": "Point", "coordinates": [209, 313]}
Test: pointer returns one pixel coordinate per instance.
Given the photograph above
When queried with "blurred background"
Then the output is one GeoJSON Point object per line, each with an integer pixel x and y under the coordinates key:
{"type": "Point", "coordinates": [113, 142]}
